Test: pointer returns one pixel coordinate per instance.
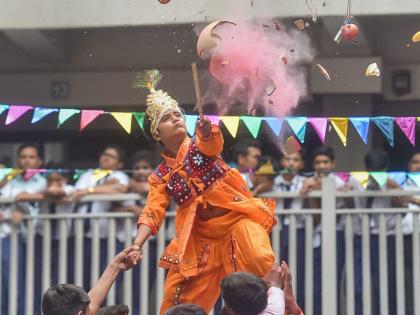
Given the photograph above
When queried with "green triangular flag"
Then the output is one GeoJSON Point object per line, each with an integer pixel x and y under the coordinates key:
{"type": "Point", "coordinates": [253, 124]}
{"type": "Point", "coordinates": [65, 114]}
{"type": "Point", "coordinates": [379, 177]}
{"type": "Point", "coordinates": [140, 119]}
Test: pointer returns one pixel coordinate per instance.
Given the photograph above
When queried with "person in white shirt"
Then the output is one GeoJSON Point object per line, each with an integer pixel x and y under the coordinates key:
{"type": "Point", "coordinates": [378, 161]}
{"type": "Point", "coordinates": [107, 179]}
{"type": "Point", "coordinates": [27, 190]}
{"type": "Point", "coordinates": [290, 181]}
{"type": "Point", "coordinates": [247, 155]}
{"type": "Point", "coordinates": [324, 164]}
{"type": "Point", "coordinates": [57, 200]}
{"type": "Point", "coordinates": [142, 163]}
{"type": "Point", "coordinates": [412, 202]}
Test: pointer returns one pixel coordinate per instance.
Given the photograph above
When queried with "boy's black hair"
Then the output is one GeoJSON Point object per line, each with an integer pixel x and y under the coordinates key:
{"type": "Point", "coordinates": [114, 310]}
{"type": "Point", "coordinates": [185, 309]}
{"type": "Point", "coordinates": [241, 147]}
{"type": "Point", "coordinates": [30, 145]}
{"type": "Point", "coordinates": [52, 165]}
{"type": "Point", "coordinates": [325, 151]}
{"type": "Point", "coordinates": [65, 299]}
{"type": "Point", "coordinates": [376, 161]}
{"type": "Point", "coordinates": [143, 155]}
{"type": "Point", "coordinates": [119, 149]}
{"type": "Point", "coordinates": [244, 293]}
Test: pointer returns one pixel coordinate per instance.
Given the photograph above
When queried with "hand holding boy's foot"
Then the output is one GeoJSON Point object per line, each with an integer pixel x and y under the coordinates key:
{"type": "Point", "coordinates": [289, 297]}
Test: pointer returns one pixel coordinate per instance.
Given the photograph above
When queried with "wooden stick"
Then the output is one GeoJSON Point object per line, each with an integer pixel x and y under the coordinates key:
{"type": "Point", "coordinates": [197, 90]}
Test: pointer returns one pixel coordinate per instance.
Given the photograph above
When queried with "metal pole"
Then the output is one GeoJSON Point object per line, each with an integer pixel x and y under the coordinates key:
{"type": "Point", "coordinates": [309, 265]}
{"type": "Point", "coordinates": [329, 267]}
{"type": "Point", "coordinates": [349, 266]}
{"type": "Point", "coordinates": [30, 257]}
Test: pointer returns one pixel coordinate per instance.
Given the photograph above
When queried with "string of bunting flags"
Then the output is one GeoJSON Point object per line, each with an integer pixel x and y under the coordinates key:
{"type": "Point", "coordinates": [361, 176]}
{"type": "Point", "coordinates": [297, 124]}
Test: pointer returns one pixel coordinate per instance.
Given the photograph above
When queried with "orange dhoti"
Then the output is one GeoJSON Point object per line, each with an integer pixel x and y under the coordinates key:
{"type": "Point", "coordinates": [223, 245]}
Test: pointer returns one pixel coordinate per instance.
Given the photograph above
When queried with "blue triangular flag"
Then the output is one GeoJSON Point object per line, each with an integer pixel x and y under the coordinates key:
{"type": "Point", "coordinates": [361, 124]}
{"type": "Point", "coordinates": [3, 108]}
{"type": "Point", "coordinates": [398, 177]}
{"type": "Point", "coordinates": [298, 125]}
{"type": "Point", "coordinates": [190, 121]}
{"type": "Point", "coordinates": [386, 125]}
{"type": "Point", "coordinates": [275, 124]}
{"type": "Point", "coordinates": [40, 112]}
{"type": "Point", "coordinates": [415, 177]}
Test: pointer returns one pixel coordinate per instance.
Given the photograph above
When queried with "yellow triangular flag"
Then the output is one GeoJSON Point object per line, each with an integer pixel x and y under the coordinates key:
{"type": "Point", "coordinates": [124, 119]}
{"type": "Point", "coordinates": [361, 177]}
{"type": "Point", "coordinates": [98, 174]}
{"type": "Point", "coordinates": [231, 123]}
{"type": "Point", "coordinates": [340, 125]}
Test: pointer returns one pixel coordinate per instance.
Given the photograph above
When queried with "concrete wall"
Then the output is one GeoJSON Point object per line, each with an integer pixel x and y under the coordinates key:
{"type": "Point", "coordinates": [42, 14]}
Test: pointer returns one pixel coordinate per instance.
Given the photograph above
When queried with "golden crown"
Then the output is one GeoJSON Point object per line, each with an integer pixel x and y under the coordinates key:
{"type": "Point", "coordinates": [158, 102]}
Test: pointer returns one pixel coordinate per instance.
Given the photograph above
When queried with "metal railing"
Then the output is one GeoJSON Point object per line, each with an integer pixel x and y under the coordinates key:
{"type": "Point", "coordinates": [149, 296]}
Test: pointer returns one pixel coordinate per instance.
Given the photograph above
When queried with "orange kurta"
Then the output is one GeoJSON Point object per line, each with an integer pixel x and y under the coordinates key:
{"type": "Point", "coordinates": [229, 192]}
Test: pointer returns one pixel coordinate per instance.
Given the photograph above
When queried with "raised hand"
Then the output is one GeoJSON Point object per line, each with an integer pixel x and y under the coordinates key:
{"type": "Point", "coordinates": [203, 125]}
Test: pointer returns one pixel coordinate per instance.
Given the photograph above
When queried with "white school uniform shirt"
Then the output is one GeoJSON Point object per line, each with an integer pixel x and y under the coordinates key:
{"type": "Point", "coordinates": [121, 235]}
{"type": "Point", "coordinates": [408, 220]}
{"type": "Point", "coordinates": [341, 204]}
{"type": "Point", "coordinates": [247, 178]}
{"type": "Point", "coordinates": [281, 185]}
{"type": "Point", "coordinates": [87, 180]}
{"type": "Point", "coordinates": [275, 302]}
{"type": "Point", "coordinates": [62, 208]}
{"type": "Point", "coordinates": [35, 184]}
{"type": "Point", "coordinates": [380, 203]}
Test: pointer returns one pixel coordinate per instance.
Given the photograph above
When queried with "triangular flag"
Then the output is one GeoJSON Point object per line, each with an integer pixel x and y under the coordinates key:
{"type": "Point", "coordinates": [361, 124]}
{"type": "Point", "coordinates": [190, 121]}
{"type": "Point", "coordinates": [386, 125]}
{"type": "Point", "coordinates": [124, 119]}
{"type": "Point", "coordinates": [320, 126]}
{"type": "Point", "coordinates": [344, 176]}
{"type": "Point", "coordinates": [15, 112]}
{"type": "Point", "coordinates": [398, 177]}
{"type": "Point", "coordinates": [408, 127]}
{"type": "Point", "coordinates": [231, 123]}
{"type": "Point", "coordinates": [298, 125]}
{"type": "Point", "coordinates": [77, 174]}
{"type": "Point", "coordinates": [65, 114]}
{"type": "Point", "coordinates": [275, 124]}
{"type": "Point", "coordinates": [380, 177]}
{"type": "Point", "coordinates": [4, 172]}
{"type": "Point", "coordinates": [29, 173]}
{"type": "Point", "coordinates": [98, 174]}
{"type": "Point", "coordinates": [3, 108]}
{"type": "Point", "coordinates": [340, 125]}
{"type": "Point", "coordinates": [14, 173]}
{"type": "Point", "coordinates": [415, 177]}
{"type": "Point", "coordinates": [253, 124]}
{"type": "Point", "coordinates": [140, 119]}
{"type": "Point", "coordinates": [88, 116]}
{"type": "Point", "coordinates": [361, 177]}
{"type": "Point", "coordinates": [214, 119]}
{"type": "Point", "coordinates": [40, 112]}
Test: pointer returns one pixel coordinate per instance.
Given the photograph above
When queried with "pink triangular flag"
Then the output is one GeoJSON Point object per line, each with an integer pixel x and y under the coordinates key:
{"type": "Point", "coordinates": [29, 173]}
{"type": "Point", "coordinates": [15, 112]}
{"type": "Point", "coordinates": [408, 127]}
{"type": "Point", "coordinates": [344, 176]}
{"type": "Point", "coordinates": [320, 126]}
{"type": "Point", "coordinates": [88, 116]}
{"type": "Point", "coordinates": [213, 119]}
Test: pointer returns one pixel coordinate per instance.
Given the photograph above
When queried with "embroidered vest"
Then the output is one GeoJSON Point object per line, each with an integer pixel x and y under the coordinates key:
{"type": "Point", "coordinates": [202, 171]}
